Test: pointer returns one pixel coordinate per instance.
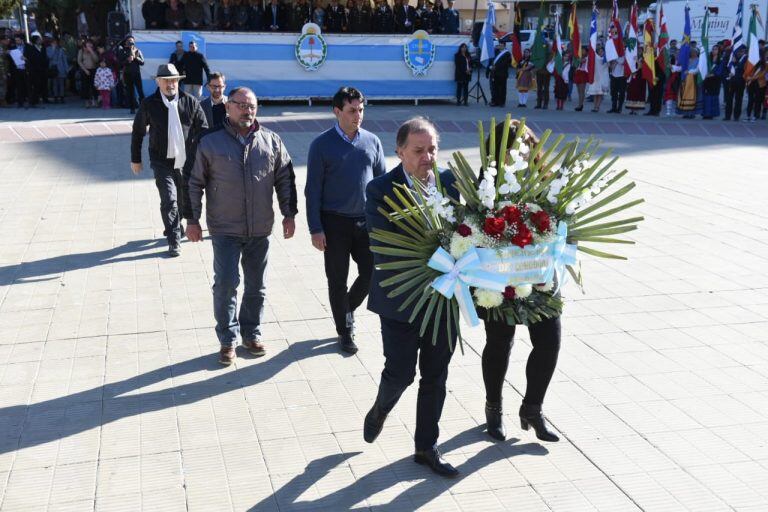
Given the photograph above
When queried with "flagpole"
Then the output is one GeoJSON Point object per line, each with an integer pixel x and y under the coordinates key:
{"type": "Point", "coordinates": [474, 17]}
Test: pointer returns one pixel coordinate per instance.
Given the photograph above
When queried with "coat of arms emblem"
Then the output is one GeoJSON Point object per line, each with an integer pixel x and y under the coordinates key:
{"type": "Point", "coordinates": [311, 48]}
{"type": "Point", "coordinates": [419, 53]}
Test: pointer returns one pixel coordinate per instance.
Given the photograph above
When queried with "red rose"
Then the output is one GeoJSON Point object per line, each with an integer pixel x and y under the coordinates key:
{"type": "Point", "coordinates": [523, 236]}
{"type": "Point", "coordinates": [494, 226]}
{"type": "Point", "coordinates": [509, 293]}
{"type": "Point", "coordinates": [464, 230]}
{"type": "Point", "coordinates": [541, 220]}
{"type": "Point", "coordinates": [511, 214]}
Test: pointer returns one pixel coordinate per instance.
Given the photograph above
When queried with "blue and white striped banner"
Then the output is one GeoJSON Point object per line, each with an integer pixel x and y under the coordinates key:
{"type": "Point", "coordinates": [267, 64]}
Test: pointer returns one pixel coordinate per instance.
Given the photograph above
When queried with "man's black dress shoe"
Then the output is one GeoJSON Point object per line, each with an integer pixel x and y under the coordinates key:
{"type": "Point", "coordinates": [435, 462]}
{"type": "Point", "coordinates": [347, 342]}
{"type": "Point", "coordinates": [530, 416]}
{"type": "Point", "coordinates": [374, 422]}
{"type": "Point", "coordinates": [495, 421]}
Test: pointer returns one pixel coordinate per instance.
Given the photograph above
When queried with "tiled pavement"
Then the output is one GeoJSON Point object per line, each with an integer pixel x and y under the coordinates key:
{"type": "Point", "coordinates": [110, 397]}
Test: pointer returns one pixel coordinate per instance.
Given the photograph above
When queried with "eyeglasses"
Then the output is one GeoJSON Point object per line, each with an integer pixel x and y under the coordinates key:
{"type": "Point", "coordinates": [244, 106]}
{"type": "Point", "coordinates": [216, 86]}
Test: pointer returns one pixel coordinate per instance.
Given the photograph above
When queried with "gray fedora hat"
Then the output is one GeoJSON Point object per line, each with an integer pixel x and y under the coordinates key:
{"type": "Point", "coordinates": [168, 71]}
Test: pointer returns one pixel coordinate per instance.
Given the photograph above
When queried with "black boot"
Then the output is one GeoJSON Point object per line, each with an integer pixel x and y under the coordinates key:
{"type": "Point", "coordinates": [495, 421]}
{"type": "Point", "coordinates": [530, 416]}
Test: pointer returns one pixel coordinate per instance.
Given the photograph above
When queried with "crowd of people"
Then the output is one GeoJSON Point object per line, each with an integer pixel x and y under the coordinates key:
{"type": "Point", "coordinates": [352, 16]}
{"type": "Point", "coordinates": [48, 69]}
{"type": "Point", "coordinates": [674, 90]}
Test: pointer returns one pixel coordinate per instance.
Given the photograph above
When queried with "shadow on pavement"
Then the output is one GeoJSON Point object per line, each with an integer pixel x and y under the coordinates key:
{"type": "Point", "coordinates": [388, 476]}
{"type": "Point", "coordinates": [25, 426]}
{"type": "Point", "coordinates": [50, 268]}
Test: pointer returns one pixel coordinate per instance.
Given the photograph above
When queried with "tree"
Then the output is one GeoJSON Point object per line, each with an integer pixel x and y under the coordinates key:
{"type": "Point", "coordinates": [7, 7]}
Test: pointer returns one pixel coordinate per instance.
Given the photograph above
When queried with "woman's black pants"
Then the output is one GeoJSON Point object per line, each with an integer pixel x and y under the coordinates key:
{"type": "Point", "coordinates": [545, 338]}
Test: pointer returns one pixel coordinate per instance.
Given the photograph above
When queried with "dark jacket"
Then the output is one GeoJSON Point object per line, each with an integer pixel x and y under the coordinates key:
{"type": "Point", "coordinates": [383, 20]}
{"type": "Point", "coordinates": [194, 65]}
{"type": "Point", "coordinates": [207, 106]}
{"type": "Point", "coordinates": [335, 19]}
{"type": "Point", "coordinates": [401, 16]}
{"type": "Point", "coordinates": [299, 15]}
{"type": "Point", "coordinates": [238, 181]}
{"type": "Point", "coordinates": [154, 14]}
{"type": "Point", "coordinates": [377, 189]}
{"type": "Point", "coordinates": [134, 67]}
{"type": "Point", "coordinates": [500, 69]}
{"type": "Point", "coordinates": [178, 61]}
{"type": "Point", "coordinates": [460, 73]}
{"type": "Point", "coordinates": [359, 20]}
{"type": "Point", "coordinates": [37, 60]}
{"type": "Point", "coordinates": [153, 113]}
{"type": "Point", "coordinates": [450, 21]}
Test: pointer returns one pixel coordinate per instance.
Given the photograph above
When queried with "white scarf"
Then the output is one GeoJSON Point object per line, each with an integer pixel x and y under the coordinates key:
{"type": "Point", "coordinates": [176, 147]}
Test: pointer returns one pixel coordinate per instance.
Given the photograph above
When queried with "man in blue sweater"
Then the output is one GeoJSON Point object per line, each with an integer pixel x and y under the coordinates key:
{"type": "Point", "coordinates": [341, 162]}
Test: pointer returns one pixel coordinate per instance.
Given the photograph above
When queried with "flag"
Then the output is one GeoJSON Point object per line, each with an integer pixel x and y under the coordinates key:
{"type": "Point", "coordinates": [517, 48]}
{"type": "Point", "coordinates": [539, 49]}
{"type": "Point", "coordinates": [630, 53]}
{"type": "Point", "coordinates": [649, 64]}
{"type": "Point", "coordinates": [573, 31]}
{"type": "Point", "coordinates": [753, 52]}
{"type": "Point", "coordinates": [614, 46]}
{"type": "Point", "coordinates": [592, 52]}
{"type": "Point", "coordinates": [684, 55]}
{"type": "Point", "coordinates": [662, 43]}
{"type": "Point", "coordinates": [487, 48]}
{"type": "Point", "coordinates": [704, 65]}
{"type": "Point", "coordinates": [736, 36]}
{"type": "Point", "coordinates": [556, 64]}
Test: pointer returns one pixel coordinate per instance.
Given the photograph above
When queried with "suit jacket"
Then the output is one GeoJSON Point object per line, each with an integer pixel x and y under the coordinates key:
{"type": "Point", "coordinates": [207, 105]}
{"type": "Point", "coordinates": [269, 19]}
{"type": "Point", "coordinates": [384, 185]}
{"type": "Point", "coordinates": [500, 69]}
{"type": "Point", "coordinates": [403, 14]}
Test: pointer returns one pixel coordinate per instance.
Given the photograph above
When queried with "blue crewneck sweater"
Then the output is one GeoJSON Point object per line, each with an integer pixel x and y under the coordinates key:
{"type": "Point", "coordinates": [338, 172]}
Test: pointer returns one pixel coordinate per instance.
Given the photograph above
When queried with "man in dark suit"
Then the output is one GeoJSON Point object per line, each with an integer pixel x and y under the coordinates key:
{"type": "Point", "coordinates": [499, 73]}
{"type": "Point", "coordinates": [405, 17]}
{"type": "Point", "coordinates": [335, 18]}
{"type": "Point", "coordinates": [214, 105]}
{"type": "Point", "coordinates": [403, 347]}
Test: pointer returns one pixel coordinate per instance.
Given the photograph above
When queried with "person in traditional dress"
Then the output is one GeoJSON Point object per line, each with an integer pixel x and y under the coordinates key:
{"type": "Point", "coordinates": [690, 98]}
{"type": "Point", "coordinates": [635, 93]}
{"type": "Point", "coordinates": [561, 81]}
{"type": "Point", "coordinates": [672, 87]}
{"type": "Point", "coordinates": [581, 78]}
{"type": "Point", "coordinates": [712, 81]}
{"type": "Point", "coordinates": [600, 83]}
{"type": "Point", "coordinates": [524, 78]}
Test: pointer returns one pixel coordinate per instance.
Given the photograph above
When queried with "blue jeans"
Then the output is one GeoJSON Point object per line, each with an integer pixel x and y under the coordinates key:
{"type": "Point", "coordinates": [228, 253]}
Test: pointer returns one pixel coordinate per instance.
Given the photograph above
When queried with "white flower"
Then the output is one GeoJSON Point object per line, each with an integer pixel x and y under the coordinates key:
{"type": "Point", "coordinates": [510, 185]}
{"type": "Point", "coordinates": [488, 298]}
{"type": "Point", "coordinates": [570, 208]}
{"type": "Point", "coordinates": [522, 291]}
{"type": "Point", "coordinates": [460, 245]}
{"type": "Point", "coordinates": [523, 148]}
{"type": "Point", "coordinates": [487, 193]}
{"type": "Point", "coordinates": [533, 207]}
{"type": "Point", "coordinates": [545, 287]}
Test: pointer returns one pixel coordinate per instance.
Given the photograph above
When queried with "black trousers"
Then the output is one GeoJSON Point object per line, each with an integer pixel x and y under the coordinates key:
{"type": "Point", "coordinates": [545, 338]}
{"type": "Point", "coordinates": [618, 92]}
{"type": "Point", "coordinates": [755, 99]}
{"type": "Point", "coordinates": [346, 237]}
{"type": "Point", "coordinates": [403, 348]}
{"type": "Point", "coordinates": [542, 88]}
{"type": "Point", "coordinates": [168, 182]}
{"type": "Point", "coordinates": [655, 96]}
{"type": "Point", "coordinates": [498, 90]}
{"type": "Point", "coordinates": [132, 86]}
{"type": "Point", "coordinates": [734, 98]}
{"type": "Point", "coordinates": [462, 92]}
{"type": "Point", "coordinates": [20, 86]}
{"type": "Point", "coordinates": [38, 86]}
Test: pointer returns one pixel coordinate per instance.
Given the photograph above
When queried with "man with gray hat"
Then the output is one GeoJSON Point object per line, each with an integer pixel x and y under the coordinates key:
{"type": "Point", "coordinates": [175, 119]}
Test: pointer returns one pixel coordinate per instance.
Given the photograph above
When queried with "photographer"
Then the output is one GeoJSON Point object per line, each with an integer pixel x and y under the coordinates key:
{"type": "Point", "coordinates": [131, 60]}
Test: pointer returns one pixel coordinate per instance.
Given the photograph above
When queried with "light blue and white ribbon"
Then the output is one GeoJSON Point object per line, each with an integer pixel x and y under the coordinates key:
{"type": "Point", "coordinates": [563, 253]}
{"type": "Point", "coordinates": [459, 275]}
